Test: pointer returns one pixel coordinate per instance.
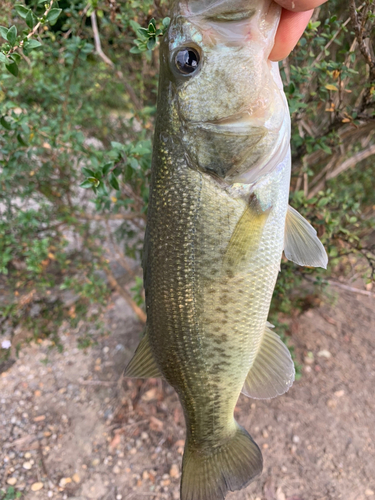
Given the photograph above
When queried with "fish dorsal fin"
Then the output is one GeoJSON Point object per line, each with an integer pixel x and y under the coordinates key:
{"type": "Point", "coordinates": [302, 244]}
{"type": "Point", "coordinates": [143, 364]}
{"type": "Point", "coordinates": [272, 373]}
{"type": "Point", "coordinates": [246, 235]}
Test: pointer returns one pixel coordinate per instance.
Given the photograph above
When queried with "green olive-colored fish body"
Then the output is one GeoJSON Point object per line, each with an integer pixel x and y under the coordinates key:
{"type": "Point", "coordinates": [218, 223]}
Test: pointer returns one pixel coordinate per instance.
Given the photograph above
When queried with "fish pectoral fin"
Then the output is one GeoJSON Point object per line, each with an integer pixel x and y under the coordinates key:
{"type": "Point", "coordinates": [302, 244]}
{"type": "Point", "coordinates": [246, 236]}
{"type": "Point", "coordinates": [143, 364]}
{"type": "Point", "coordinates": [272, 373]}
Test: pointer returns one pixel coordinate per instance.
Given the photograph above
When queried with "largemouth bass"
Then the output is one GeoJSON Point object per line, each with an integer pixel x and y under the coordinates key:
{"type": "Point", "coordinates": [218, 222]}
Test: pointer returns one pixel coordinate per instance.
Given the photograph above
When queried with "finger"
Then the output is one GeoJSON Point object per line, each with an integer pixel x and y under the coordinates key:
{"type": "Point", "coordinates": [300, 5]}
{"type": "Point", "coordinates": [291, 27]}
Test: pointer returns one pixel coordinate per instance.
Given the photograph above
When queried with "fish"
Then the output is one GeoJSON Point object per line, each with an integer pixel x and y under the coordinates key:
{"type": "Point", "coordinates": [217, 226]}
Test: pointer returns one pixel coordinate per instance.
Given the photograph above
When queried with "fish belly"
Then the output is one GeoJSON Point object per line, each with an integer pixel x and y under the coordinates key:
{"type": "Point", "coordinates": [206, 320]}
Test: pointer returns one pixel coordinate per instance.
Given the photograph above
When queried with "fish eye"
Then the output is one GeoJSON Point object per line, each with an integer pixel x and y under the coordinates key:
{"type": "Point", "coordinates": [187, 61]}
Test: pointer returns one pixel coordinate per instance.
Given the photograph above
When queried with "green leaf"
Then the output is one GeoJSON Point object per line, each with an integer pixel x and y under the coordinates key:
{"type": "Point", "coordinates": [114, 182]}
{"type": "Point", "coordinates": [21, 10]}
{"type": "Point", "coordinates": [30, 20]}
{"type": "Point", "coordinates": [106, 168]}
{"type": "Point", "coordinates": [33, 44]}
{"type": "Point", "coordinates": [86, 184]}
{"type": "Point", "coordinates": [52, 15]}
{"type": "Point", "coordinates": [12, 68]}
{"type": "Point", "coordinates": [4, 32]}
{"type": "Point", "coordinates": [20, 140]}
{"type": "Point", "coordinates": [3, 58]}
{"type": "Point", "coordinates": [5, 123]}
{"type": "Point", "coordinates": [15, 57]}
{"type": "Point", "coordinates": [88, 172]}
{"type": "Point", "coordinates": [166, 21]}
{"type": "Point", "coordinates": [94, 181]}
{"type": "Point", "coordinates": [12, 35]}
{"type": "Point", "coordinates": [143, 32]}
{"type": "Point", "coordinates": [136, 50]}
{"type": "Point", "coordinates": [151, 43]}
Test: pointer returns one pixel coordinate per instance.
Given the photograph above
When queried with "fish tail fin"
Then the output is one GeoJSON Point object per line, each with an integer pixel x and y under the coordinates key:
{"type": "Point", "coordinates": [230, 466]}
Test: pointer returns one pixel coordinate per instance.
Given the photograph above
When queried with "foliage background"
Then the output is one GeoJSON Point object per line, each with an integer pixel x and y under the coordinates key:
{"type": "Point", "coordinates": [76, 129]}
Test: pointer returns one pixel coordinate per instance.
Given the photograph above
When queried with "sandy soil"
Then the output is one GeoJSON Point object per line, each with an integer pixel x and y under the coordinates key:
{"type": "Point", "coordinates": [70, 427]}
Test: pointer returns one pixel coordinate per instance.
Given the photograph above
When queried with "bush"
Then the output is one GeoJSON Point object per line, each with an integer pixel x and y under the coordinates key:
{"type": "Point", "coordinates": [78, 86]}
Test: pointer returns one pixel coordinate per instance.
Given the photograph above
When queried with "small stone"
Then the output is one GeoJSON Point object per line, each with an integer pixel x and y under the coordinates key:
{"type": "Point", "coordinates": [324, 354]}
{"type": "Point", "coordinates": [165, 482]}
{"type": "Point", "coordinates": [105, 350]}
{"type": "Point", "coordinates": [265, 434]}
{"type": "Point", "coordinates": [339, 394]}
{"type": "Point", "coordinates": [12, 481]}
{"type": "Point", "coordinates": [95, 462]}
{"type": "Point", "coordinates": [265, 446]}
{"type": "Point", "coordinates": [296, 439]}
{"type": "Point", "coordinates": [50, 494]}
{"type": "Point", "coordinates": [369, 493]}
{"type": "Point", "coordinates": [27, 465]}
{"type": "Point", "coordinates": [116, 469]}
{"type": "Point", "coordinates": [145, 475]}
{"type": "Point", "coordinates": [118, 497]}
{"type": "Point", "coordinates": [64, 481]}
{"type": "Point", "coordinates": [144, 436]}
{"type": "Point", "coordinates": [133, 451]}
{"type": "Point", "coordinates": [36, 486]}
{"type": "Point", "coordinates": [284, 469]}
{"type": "Point", "coordinates": [76, 478]}
{"type": "Point", "coordinates": [27, 455]}
{"type": "Point", "coordinates": [174, 472]}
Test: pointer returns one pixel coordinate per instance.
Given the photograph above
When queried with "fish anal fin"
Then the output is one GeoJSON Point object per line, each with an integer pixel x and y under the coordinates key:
{"type": "Point", "coordinates": [143, 364]}
{"type": "Point", "coordinates": [272, 373]}
{"type": "Point", "coordinates": [302, 244]}
{"type": "Point", "coordinates": [247, 234]}
{"type": "Point", "coordinates": [230, 466]}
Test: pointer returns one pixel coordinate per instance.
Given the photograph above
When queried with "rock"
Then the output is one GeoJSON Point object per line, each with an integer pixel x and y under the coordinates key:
{"type": "Point", "coordinates": [175, 471]}
{"type": "Point", "coordinates": [64, 481]}
{"type": "Point", "coordinates": [369, 493]}
{"type": "Point", "coordinates": [296, 439]}
{"type": "Point", "coordinates": [36, 486]}
{"type": "Point", "coordinates": [12, 481]}
{"type": "Point", "coordinates": [324, 354]}
{"type": "Point", "coordinates": [27, 465]}
{"type": "Point", "coordinates": [76, 478]}
{"type": "Point", "coordinates": [95, 462]}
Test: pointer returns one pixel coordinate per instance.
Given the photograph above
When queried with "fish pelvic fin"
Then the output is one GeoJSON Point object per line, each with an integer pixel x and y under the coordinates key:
{"type": "Point", "coordinates": [231, 466]}
{"type": "Point", "coordinates": [246, 236]}
{"type": "Point", "coordinates": [273, 372]}
{"type": "Point", "coordinates": [302, 244]}
{"type": "Point", "coordinates": [143, 364]}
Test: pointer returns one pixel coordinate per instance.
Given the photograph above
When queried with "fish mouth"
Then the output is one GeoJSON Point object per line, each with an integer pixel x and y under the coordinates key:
{"type": "Point", "coordinates": [238, 124]}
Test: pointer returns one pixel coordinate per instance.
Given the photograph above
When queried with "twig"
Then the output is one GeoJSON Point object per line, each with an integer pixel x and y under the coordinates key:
{"type": "Point", "coordinates": [349, 163]}
{"type": "Point", "coordinates": [96, 382]}
{"type": "Point", "coordinates": [34, 30]}
{"type": "Point", "coordinates": [98, 45]}
{"type": "Point", "coordinates": [351, 289]}
{"type": "Point", "coordinates": [135, 215]}
{"type": "Point", "coordinates": [126, 295]}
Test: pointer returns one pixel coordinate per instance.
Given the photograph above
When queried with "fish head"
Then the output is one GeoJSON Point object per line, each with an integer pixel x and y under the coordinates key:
{"type": "Point", "coordinates": [226, 98]}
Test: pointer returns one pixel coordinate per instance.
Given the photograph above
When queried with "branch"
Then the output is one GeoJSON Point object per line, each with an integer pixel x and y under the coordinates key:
{"type": "Point", "coordinates": [126, 295]}
{"type": "Point", "coordinates": [98, 45]}
{"type": "Point", "coordinates": [349, 163]}
{"type": "Point", "coordinates": [131, 216]}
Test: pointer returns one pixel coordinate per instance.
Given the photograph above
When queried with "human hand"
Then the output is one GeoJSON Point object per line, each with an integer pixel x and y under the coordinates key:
{"type": "Point", "coordinates": [294, 19]}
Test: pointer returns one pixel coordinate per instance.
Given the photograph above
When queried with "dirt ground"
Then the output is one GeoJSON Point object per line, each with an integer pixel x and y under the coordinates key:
{"type": "Point", "coordinates": [70, 427]}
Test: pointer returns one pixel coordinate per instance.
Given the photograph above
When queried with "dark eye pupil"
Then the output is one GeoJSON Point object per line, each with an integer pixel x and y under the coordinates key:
{"type": "Point", "coordinates": [187, 61]}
